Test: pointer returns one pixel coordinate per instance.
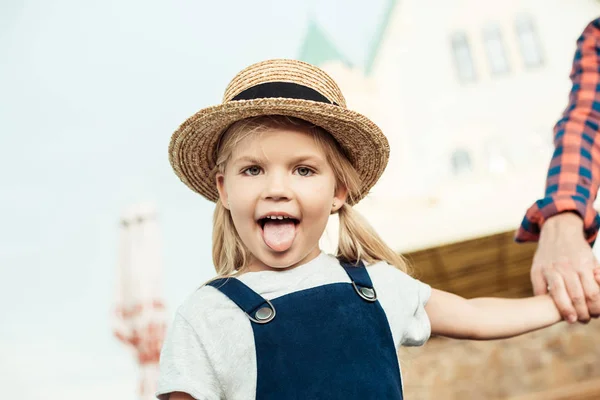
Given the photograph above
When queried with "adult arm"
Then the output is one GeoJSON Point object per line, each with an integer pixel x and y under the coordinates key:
{"type": "Point", "coordinates": [564, 221]}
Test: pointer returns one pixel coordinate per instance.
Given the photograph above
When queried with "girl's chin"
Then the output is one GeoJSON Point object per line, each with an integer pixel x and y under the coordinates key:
{"type": "Point", "coordinates": [279, 259]}
{"type": "Point", "coordinates": [267, 259]}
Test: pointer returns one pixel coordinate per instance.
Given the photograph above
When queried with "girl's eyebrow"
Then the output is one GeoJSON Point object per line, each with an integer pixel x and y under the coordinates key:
{"type": "Point", "coordinates": [247, 159]}
{"type": "Point", "coordinates": [309, 157]}
{"type": "Point", "coordinates": [295, 160]}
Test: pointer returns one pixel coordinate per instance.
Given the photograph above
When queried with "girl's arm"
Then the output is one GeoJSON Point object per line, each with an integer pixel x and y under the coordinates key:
{"type": "Point", "coordinates": [490, 318]}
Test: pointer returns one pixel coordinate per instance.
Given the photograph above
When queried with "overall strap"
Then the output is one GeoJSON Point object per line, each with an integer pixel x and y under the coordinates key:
{"type": "Point", "coordinates": [257, 308]}
{"type": "Point", "coordinates": [357, 273]}
{"type": "Point", "coordinates": [360, 279]}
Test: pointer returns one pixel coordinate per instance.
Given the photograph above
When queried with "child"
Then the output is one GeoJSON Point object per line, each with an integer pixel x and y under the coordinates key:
{"type": "Point", "coordinates": [283, 320]}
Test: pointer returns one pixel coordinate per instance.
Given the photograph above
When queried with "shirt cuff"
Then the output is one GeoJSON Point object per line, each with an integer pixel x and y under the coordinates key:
{"type": "Point", "coordinates": [541, 210]}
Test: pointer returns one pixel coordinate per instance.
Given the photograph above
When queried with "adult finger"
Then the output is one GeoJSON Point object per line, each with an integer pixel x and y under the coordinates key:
{"type": "Point", "coordinates": [561, 298]}
{"type": "Point", "coordinates": [591, 290]}
{"type": "Point", "coordinates": [538, 281]}
{"type": "Point", "coordinates": [574, 287]}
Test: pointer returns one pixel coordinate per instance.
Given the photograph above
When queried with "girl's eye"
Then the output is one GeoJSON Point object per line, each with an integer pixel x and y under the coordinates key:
{"type": "Point", "coordinates": [253, 171]}
{"type": "Point", "coordinates": [304, 171]}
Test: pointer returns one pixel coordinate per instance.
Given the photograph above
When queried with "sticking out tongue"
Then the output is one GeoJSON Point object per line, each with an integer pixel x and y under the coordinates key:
{"type": "Point", "coordinates": [279, 234]}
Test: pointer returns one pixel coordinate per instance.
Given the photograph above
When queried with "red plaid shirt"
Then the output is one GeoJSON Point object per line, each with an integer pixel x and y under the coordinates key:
{"type": "Point", "coordinates": [574, 172]}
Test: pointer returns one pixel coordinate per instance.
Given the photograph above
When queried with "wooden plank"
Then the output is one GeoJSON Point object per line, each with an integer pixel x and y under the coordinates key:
{"type": "Point", "coordinates": [589, 390]}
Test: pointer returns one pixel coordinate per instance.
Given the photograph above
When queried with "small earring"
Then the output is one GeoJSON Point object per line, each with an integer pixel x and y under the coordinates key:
{"type": "Point", "coordinates": [333, 204]}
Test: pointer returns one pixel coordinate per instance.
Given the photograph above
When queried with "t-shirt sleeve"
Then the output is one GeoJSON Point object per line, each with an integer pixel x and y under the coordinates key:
{"type": "Point", "coordinates": [418, 328]}
{"type": "Point", "coordinates": [403, 299]}
{"type": "Point", "coordinates": [184, 364]}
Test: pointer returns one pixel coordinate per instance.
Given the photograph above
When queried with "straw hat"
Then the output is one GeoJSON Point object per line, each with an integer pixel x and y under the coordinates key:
{"type": "Point", "coordinates": [277, 87]}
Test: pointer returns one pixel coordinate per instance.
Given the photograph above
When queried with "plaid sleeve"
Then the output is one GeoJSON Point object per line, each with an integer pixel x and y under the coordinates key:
{"type": "Point", "coordinates": [574, 172]}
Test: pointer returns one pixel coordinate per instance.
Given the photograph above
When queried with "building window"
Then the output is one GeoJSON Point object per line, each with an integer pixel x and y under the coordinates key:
{"type": "Point", "coordinates": [462, 57]}
{"type": "Point", "coordinates": [494, 48]}
{"type": "Point", "coordinates": [528, 41]}
{"type": "Point", "coordinates": [461, 162]}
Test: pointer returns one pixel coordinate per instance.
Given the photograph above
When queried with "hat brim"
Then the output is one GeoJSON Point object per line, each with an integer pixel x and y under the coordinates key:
{"type": "Point", "coordinates": [193, 145]}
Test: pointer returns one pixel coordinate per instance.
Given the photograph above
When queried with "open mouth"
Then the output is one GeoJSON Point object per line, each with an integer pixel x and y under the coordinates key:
{"type": "Point", "coordinates": [277, 219]}
{"type": "Point", "coordinates": [278, 231]}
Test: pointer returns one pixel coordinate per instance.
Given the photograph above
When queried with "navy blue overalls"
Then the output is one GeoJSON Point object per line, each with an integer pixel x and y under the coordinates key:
{"type": "Point", "coordinates": [328, 342]}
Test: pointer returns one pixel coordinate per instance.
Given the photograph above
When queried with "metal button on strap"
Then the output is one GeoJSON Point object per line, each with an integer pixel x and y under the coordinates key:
{"type": "Point", "coordinates": [264, 314]}
{"type": "Point", "coordinates": [366, 293]}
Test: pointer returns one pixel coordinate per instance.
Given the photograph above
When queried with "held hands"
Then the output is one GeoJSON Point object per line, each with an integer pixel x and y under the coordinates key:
{"type": "Point", "coordinates": [564, 266]}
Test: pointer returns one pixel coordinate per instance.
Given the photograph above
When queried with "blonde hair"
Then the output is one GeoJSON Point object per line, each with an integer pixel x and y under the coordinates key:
{"type": "Point", "coordinates": [357, 239]}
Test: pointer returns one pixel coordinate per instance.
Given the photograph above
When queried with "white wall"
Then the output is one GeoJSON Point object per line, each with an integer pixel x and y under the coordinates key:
{"type": "Point", "coordinates": [414, 94]}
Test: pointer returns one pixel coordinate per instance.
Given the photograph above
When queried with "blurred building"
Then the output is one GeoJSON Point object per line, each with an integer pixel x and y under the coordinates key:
{"type": "Point", "coordinates": [467, 93]}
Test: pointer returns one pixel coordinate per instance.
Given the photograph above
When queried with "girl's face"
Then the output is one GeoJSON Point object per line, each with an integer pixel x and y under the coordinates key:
{"type": "Point", "coordinates": [280, 190]}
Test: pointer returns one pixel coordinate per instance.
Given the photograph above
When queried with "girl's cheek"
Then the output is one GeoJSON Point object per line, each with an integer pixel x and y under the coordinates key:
{"type": "Point", "coordinates": [318, 182]}
{"type": "Point", "coordinates": [243, 183]}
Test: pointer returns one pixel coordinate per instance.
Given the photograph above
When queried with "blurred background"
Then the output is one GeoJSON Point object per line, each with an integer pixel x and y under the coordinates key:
{"type": "Point", "coordinates": [99, 241]}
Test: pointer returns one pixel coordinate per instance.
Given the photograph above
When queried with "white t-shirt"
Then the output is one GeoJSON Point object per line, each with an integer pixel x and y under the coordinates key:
{"type": "Point", "coordinates": [209, 351]}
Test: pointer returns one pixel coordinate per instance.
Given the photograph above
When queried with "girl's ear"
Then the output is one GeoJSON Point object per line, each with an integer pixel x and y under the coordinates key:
{"type": "Point", "coordinates": [339, 198]}
{"type": "Point", "coordinates": [220, 178]}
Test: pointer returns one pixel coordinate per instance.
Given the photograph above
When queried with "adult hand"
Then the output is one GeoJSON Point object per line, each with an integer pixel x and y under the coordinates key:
{"type": "Point", "coordinates": [564, 265]}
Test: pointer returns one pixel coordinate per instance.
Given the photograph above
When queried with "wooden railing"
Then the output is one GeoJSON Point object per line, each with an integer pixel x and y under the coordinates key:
{"type": "Point", "coordinates": [488, 266]}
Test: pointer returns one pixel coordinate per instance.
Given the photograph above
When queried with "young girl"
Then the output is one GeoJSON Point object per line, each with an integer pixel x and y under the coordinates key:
{"type": "Point", "coordinates": [284, 320]}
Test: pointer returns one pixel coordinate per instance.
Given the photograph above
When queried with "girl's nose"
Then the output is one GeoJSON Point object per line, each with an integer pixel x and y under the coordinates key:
{"type": "Point", "coordinates": [277, 187]}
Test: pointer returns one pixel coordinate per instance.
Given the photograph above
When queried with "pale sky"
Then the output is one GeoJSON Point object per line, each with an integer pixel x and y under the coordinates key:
{"type": "Point", "coordinates": [90, 92]}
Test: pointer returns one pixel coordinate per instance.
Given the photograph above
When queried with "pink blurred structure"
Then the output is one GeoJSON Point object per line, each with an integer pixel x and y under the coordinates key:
{"type": "Point", "coordinates": [139, 313]}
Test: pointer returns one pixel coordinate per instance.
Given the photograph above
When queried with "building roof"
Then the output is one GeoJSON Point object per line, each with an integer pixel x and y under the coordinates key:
{"type": "Point", "coordinates": [318, 48]}
{"type": "Point", "coordinates": [379, 35]}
